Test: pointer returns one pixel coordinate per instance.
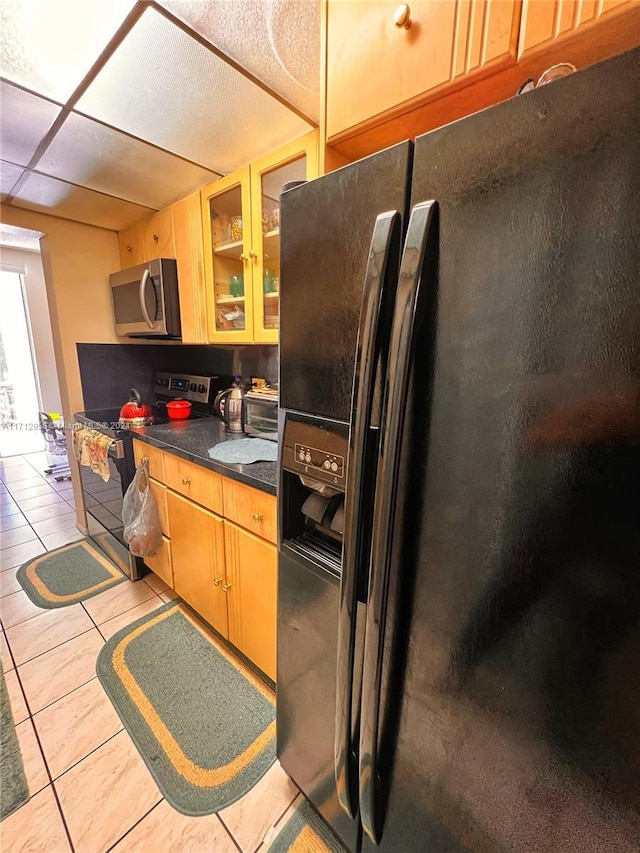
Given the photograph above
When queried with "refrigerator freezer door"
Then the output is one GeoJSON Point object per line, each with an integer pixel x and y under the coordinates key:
{"type": "Point", "coordinates": [510, 709]}
{"type": "Point", "coordinates": [326, 228]}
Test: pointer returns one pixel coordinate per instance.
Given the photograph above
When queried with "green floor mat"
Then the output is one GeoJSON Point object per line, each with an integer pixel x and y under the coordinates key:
{"type": "Point", "coordinates": [203, 722]}
{"type": "Point", "coordinates": [306, 832]}
{"type": "Point", "coordinates": [69, 574]}
{"type": "Point", "coordinates": [14, 791]}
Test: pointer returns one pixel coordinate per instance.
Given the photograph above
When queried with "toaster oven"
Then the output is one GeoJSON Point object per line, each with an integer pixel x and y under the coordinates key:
{"type": "Point", "coordinates": [260, 413]}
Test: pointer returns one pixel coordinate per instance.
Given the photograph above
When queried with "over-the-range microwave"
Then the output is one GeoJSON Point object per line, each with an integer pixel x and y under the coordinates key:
{"type": "Point", "coordinates": [145, 300]}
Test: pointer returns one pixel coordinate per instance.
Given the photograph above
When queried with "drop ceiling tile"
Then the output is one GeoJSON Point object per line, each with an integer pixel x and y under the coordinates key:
{"type": "Point", "coordinates": [24, 120]}
{"type": "Point", "coordinates": [87, 153]}
{"type": "Point", "coordinates": [58, 198]}
{"type": "Point", "coordinates": [163, 86]}
{"type": "Point", "coordinates": [49, 47]}
{"type": "Point", "coordinates": [276, 41]}
{"type": "Point", "coordinates": [9, 174]}
{"type": "Point", "coordinates": [19, 238]}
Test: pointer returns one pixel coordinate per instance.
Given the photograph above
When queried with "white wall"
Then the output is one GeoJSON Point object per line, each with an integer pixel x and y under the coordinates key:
{"type": "Point", "coordinates": [30, 265]}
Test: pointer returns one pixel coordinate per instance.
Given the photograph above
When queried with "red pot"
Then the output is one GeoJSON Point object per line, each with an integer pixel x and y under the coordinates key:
{"type": "Point", "coordinates": [179, 409]}
{"type": "Point", "coordinates": [135, 412]}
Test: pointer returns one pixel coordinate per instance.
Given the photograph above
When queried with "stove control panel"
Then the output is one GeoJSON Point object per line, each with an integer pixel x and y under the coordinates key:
{"type": "Point", "coordinates": [186, 386]}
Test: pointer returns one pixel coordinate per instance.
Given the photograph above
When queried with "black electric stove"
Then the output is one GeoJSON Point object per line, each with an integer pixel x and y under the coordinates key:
{"type": "Point", "coordinates": [103, 501]}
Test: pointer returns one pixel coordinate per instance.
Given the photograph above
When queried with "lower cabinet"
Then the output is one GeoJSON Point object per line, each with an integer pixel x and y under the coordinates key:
{"type": "Point", "coordinates": [218, 550]}
{"type": "Point", "coordinates": [197, 552]}
{"type": "Point", "coordinates": [252, 580]}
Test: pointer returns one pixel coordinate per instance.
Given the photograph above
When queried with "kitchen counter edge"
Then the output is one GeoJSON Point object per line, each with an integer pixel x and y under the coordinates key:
{"type": "Point", "coordinates": [235, 472]}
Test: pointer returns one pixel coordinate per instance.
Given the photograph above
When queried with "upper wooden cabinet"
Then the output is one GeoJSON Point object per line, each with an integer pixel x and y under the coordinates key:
{"type": "Point", "coordinates": [240, 225]}
{"type": "Point", "coordinates": [187, 241]}
{"type": "Point", "coordinates": [131, 245]}
{"type": "Point", "coordinates": [157, 233]}
{"type": "Point", "coordinates": [373, 65]}
{"type": "Point", "coordinates": [546, 21]}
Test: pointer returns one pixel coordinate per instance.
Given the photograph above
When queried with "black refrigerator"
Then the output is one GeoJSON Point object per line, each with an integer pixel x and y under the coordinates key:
{"type": "Point", "coordinates": [459, 552]}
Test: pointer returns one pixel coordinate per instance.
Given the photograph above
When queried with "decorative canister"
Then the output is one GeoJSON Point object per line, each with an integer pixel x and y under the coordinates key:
{"type": "Point", "coordinates": [235, 228]}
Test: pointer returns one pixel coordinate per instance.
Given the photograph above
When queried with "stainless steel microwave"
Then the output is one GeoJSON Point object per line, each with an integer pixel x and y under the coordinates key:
{"type": "Point", "coordinates": [145, 300]}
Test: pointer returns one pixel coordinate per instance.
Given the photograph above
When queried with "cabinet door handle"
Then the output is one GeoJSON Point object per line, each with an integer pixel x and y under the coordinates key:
{"type": "Point", "coordinates": [155, 237]}
{"type": "Point", "coordinates": [244, 257]}
{"type": "Point", "coordinates": [257, 517]}
{"type": "Point", "coordinates": [253, 255]}
{"type": "Point", "coordinates": [402, 17]}
{"type": "Point", "coordinates": [226, 587]}
{"type": "Point", "coordinates": [186, 481]}
{"type": "Point", "coordinates": [129, 249]}
{"type": "Point", "coordinates": [217, 581]}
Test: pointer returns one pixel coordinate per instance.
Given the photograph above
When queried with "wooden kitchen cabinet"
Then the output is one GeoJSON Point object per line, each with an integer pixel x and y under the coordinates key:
{"type": "Point", "coordinates": [250, 508]}
{"type": "Point", "coordinates": [160, 562]}
{"type": "Point", "coordinates": [198, 559]}
{"type": "Point", "coordinates": [547, 21]}
{"type": "Point", "coordinates": [241, 235]}
{"type": "Point", "coordinates": [131, 245]}
{"type": "Point", "coordinates": [195, 482]}
{"type": "Point", "coordinates": [252, 595]}
{"type": "Point", "coordinates": [375, 68]}
{"type": "Point", "coordinates": [157, 232]}
{"type": "Point", "coordinates": [187, 241]}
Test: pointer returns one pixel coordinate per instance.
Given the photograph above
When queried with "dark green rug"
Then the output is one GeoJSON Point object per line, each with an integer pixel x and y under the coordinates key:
{"type": "Point", "coordinates": [203, 722]}
{"type": "Point", "coordinates": [69, 574]}
{"type": "Point", "coordinates": [14, 791]}
{"type": "Point", "coordinates": [305, 832]}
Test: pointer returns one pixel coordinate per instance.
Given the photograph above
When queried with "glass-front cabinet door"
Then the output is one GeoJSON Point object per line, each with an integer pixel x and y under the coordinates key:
{"type": "Point", "coordinates": [295, 162]}
{"type": "Point", "coordinates": [241, 231]}
{"type": "Point", "coordinates": [226, 219]}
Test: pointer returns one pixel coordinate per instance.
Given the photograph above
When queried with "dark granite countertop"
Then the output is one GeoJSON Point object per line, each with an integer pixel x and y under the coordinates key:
{"type": "Point", "coordinates": [191, 439]}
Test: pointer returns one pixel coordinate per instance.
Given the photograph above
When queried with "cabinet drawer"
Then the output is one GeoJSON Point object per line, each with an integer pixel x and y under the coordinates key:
{"type": "Point", "coordinates": [194, 482]}
{"type": "Point", "coordinates": [251, 509]}
{"type": "Point", "coordinates": [155, 457]}
{"type": "Point", "coordinates": [160, 562]}
{"type": "Point", "coordinates": [159, 493]}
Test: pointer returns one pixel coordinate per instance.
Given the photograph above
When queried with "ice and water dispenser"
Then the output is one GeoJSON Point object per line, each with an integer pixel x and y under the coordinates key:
{"type": "Point", "coordinates": [314, 471]}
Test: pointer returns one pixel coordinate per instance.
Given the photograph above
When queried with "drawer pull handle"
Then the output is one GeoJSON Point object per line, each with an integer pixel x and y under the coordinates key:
{"type": "Point", "coordinates": [226, 587]}
{"type": "Point", "coordinates": [186, 481]}
{"type": "Point", "coordinates": [257, 517]}
{"type": "Point", "coordinates": [217, 581]}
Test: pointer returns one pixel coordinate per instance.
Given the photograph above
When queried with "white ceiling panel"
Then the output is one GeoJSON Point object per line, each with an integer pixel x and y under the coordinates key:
{"type": "Point", "coordinates": [49, 45]}
{"type": "Point", "coordinates": [20, 238]}
{"type": "Point", "coordinates": [162, 85]}
{"type": "Point", "coordinates": [98, 157]}
{"type": "Point", "coordinates": [9, 174]}
{"type": "Point", "coordinates": [49, 195]}
{"type": "Point", "coordinates": [24, 120]}
{"type": "Point", "coordinates": [276, 40]}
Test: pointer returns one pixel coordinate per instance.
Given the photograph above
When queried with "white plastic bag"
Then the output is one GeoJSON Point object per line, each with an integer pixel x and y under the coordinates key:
{"type": "Point", "coordinates": [142, 531]}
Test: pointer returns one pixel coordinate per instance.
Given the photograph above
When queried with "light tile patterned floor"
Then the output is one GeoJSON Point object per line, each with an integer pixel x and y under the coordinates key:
{"type": "Point", "coordinates": [90, 790]}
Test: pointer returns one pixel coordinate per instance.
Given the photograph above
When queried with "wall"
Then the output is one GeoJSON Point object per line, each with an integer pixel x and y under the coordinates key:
{"type": "Point", "coordinates": [30, 265]}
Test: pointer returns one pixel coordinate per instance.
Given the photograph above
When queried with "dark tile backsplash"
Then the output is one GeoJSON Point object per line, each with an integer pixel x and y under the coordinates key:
{"type": "Point", "coordinates": [108, 371]}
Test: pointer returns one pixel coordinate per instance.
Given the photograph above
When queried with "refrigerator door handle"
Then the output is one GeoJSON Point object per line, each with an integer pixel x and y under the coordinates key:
{"type": "Point", "coordinates": [407, 317]}
{"type": "Point", "coordinates": [385, 244]}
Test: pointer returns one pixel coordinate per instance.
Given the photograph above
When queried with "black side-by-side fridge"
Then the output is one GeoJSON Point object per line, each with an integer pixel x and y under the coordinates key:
{"type": "Point", "coordinates": [459, 554]}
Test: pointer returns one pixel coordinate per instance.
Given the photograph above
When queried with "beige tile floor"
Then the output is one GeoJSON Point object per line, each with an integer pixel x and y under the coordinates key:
{"type": "Point", "coordinates": [90, 790]}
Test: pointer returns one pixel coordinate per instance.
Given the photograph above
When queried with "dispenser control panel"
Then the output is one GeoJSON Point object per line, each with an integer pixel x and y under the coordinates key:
{"type": "Point", "coordinates": [329, 463]}
{"type": "Point", "coordinates": [316, 449]}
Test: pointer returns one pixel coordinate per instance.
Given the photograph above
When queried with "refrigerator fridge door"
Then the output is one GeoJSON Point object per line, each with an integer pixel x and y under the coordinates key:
{"type": "Point", "coordinates": [341, 235]}
{"type": "Point", "coordinates": [509, 717]}
{"type": "Point", "coordinates": [326, 228]}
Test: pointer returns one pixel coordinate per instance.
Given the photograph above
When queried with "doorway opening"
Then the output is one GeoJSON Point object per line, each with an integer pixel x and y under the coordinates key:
{"type": "Point", "coordinates": [19, 392]}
